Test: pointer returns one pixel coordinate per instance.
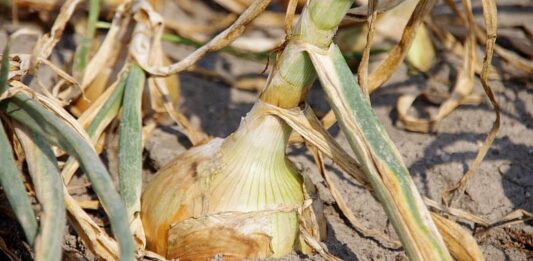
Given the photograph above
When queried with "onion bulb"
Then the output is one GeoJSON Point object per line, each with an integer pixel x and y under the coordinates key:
{"type": "Point", "coordinates": [237, 197]}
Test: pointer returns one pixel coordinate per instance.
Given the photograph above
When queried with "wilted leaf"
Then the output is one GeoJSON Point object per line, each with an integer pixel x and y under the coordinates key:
{"type": "Point", "coordinates": [462, 245]}
{"type": "Point", "coordinates": [109, 49]}
{"type": "Point", "coordinates": [343, 206]}
{"type": "Point", "coordinates": [379, 158]}
{"type": "Point", "coordinates": [44, 46]}
{"type": "Point", "coordinates": [91, 234]}
{"type": "Point", "coordinates": [395, 56]}
{"type": "Point", "coordinates": [490, 16]}
{"type": "Point", "coordinates": [217, 43]}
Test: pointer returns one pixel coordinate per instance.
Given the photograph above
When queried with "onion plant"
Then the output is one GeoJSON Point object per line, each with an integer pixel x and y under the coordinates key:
{"type": "Point", "coordinates": [245, 190]}
{"type": "Point", "coordinates": [239, 197]}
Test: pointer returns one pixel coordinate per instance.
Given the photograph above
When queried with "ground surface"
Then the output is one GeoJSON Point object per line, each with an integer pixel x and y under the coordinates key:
{"type": "Point", "coordinates": [503, 183]}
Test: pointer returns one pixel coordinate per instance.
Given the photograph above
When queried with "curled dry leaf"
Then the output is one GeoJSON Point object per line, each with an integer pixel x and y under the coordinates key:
{"type": "Point", "coordinates": [455, 193]}
{"type": "Point", "coordinates": [307, 125]}
{"type": "Point", "coordinates": [462, 245]}
{"type": "Point", "coordinates": [44, 46]}
{"type": "Point", "coordinates": [456, 213]}
{"type": "Point", "coordinates": [217, 43]}
{"type": "Point", "coordinates": [308, 233]}
{"type": "Point", "coordinates": [398, 53]}
{"type": "Point", "coordinates": [385, 69]}
{"type": "Point", "coordinates": [19, 65]}
{"type": "Point", "coordinates": [107, 53]}
{"type": "Point", "coordinates": [148, 30]}
{"type": "Point", "coordinates": [421, 53]}
{"type": "Point", "coordinates": [362, 70]}
{"type": "Point", "coordinates": [515, 217]}
{"type": "Point", "coordinates": [146, 48]}
{"type": "Point", "coordinates": [515, 60]}
{"type": "Point", "coordinates": [92, 235]}
{"type": "Point", "coordinates": [461, 90]}
{"type": "Point", "coordinates": [346, 211]}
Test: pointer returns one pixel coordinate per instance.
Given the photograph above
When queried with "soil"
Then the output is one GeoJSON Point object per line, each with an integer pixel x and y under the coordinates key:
{"type": "Point", "coordinates": [502, 183]}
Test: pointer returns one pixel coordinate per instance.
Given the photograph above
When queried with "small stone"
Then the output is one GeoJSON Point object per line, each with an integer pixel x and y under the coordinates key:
{"type": "Point", "coordinates": [445, 157]}
{"type": "Point", "coordinates": [504, 168]}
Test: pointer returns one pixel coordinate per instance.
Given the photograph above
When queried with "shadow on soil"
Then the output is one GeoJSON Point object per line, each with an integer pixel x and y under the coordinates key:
{"type": "Point", "coordinates": [517, 178]}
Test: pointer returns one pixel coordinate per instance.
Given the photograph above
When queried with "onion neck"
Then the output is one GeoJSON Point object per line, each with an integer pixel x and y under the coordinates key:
{"type": "Point", "coordinates": [254, 171]}
{"type": "Point", "coordinates": [262, 133]}
{"type": "Point", "coordinates": [294, 72]}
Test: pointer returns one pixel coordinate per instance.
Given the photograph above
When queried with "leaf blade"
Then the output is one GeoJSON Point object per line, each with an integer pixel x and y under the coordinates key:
{"type": "Point", "coordinates": [35, 117]}
{"type": "Point", "coordinates": [379, 158]}
{"type": "Point", "coordinates": [42, 165]}
{"type": "Point", "coordinates": [130, 145]}
{"type": "Point", "coordinates": [14, 189]}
